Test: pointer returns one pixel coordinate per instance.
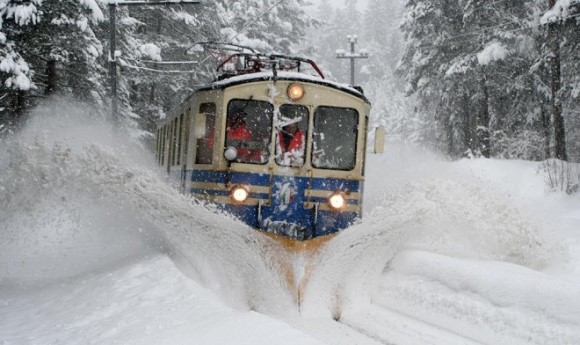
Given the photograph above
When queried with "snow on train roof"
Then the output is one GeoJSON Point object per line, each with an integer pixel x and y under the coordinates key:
{"type": "Point", "coordinates": [285, 75]}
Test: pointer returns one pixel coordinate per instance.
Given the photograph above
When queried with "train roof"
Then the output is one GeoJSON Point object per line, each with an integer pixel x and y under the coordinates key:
{"type": "Point", "coordinates": [282, 75]}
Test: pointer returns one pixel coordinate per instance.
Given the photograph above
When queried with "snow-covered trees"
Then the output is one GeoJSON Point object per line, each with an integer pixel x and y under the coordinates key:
{"type": "Point", "coordinates": [152, 85]}
{"type": "Point", "coordinates": [48, 47]}
{"type": "Point", "coordinates": [15, 16]}
{"type": "Point", "coordinates": [483, 69]}
{"type": "Point", "coordinates": [481, 73]}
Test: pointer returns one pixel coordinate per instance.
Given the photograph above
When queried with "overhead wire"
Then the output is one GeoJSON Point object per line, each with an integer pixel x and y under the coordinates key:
{"type": "Point", "coordinates": [204, 60]}
{"type": "Point", "coordinates": [475, 32]}
{"type": "Point", "coordinates": [486, 4]}
{"type": "Point", "coordinates": [165, 62]}
{"type": "Point", "coordinates": [491, 3]}
{"type": "Point", "coordinates": [456, 39]}
{"type": "Point", "coordinates": [256, 19]}
{"type": "Point", "coordinates": [249, 24]}
{"type": "Point", "coordinates": [156, 70]}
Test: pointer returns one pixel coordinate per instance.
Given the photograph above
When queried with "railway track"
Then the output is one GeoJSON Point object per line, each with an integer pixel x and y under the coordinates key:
{"type": "Point", "coordinates": [390, 327]}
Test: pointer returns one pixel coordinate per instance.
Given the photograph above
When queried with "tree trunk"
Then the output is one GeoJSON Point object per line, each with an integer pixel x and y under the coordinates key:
{"type": "Point", "coordinates": [18, 103]}
{"type": "Point", "coordinates": [152, 94]}
{"type": "Point", "coordinates": [546, 131]}
{"type": "Point", "coordinates": [51, 77]}
{"type": "Point", "coordinates": [483, 121]}
{"type": "Point", "coordinates": [467, 122]}
{"type": "Point", "coordinates": [450, 139]}
{"type": "Point", "coordinates": [559, 131]}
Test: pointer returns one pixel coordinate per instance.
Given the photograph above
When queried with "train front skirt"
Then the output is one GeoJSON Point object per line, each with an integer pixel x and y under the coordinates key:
{"type": "Point", "coordinates": [288, 206]}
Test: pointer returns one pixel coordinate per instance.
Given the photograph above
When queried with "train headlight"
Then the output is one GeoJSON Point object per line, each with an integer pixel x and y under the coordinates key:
{"type": "Point", "coordinates": [231, 153]}
{"type": "Point", "coordinates": [295, 91]}
{"type": "Point", "coordinates": [337, 201]}
{"type": "Point", "coordinates": [239, 193]}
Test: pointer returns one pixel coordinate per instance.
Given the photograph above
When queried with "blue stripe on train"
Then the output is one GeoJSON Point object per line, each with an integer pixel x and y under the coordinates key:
{"type": "Point", "coordinates": [258, 179]}
{"type": "Point", "coordinates": [286, 214]}
{"type": "Point", "coordinates": [335, 184]}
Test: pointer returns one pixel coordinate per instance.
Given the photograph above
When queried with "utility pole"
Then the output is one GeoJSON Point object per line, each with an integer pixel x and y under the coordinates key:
{"type": "Point", "coordinates": [341, 54]}
{"type": "Point", "coordinates": [112, 37]}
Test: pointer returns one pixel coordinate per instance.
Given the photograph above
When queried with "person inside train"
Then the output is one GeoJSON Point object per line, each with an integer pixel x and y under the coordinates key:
{"type": "Point", "coordinates": [291, 144]}
{"type": "Point", "coordinates": [239, 135]}
{"type": "Point", "coordinates": [237, 128]}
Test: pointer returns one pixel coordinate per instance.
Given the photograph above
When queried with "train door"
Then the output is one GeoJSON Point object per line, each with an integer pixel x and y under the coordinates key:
{"type": "Point", "coordinates": [204, 133]}
{"type": "Point", "coordinates": [184, 145]}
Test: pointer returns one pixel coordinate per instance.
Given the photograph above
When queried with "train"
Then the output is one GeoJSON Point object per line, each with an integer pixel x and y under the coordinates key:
{"type": "Point", "coordinates": [273, 142]}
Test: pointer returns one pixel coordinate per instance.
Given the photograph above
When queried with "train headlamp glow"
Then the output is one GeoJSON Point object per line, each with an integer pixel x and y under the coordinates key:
{"type": "Point", "coordinates": [337, 201]}
{"type": "Point", "coordinates": [295, 91]}
{"type": "Point", "coordinates": [239, 193]}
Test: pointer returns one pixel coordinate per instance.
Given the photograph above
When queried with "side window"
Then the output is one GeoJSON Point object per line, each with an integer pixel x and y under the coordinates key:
{"type": "Point", "coordinates": [163, 143]}
{"type": "Point", "coordinates": [334, 138]}
{"type": "Point", "coordinates": [158, 146]}
{"type": "Point", "coordinates": [292, 128]}
{"type": "Point", "coordinates": [185, 125]}
{"type": "Point", "coordinates": [204, 129]}
{"type": "Point", "coordinates": [249, 130]}
{"type": "Point", "coordinates": [179, 138]}
{"type": "Point", "coordinates": [172, 142]}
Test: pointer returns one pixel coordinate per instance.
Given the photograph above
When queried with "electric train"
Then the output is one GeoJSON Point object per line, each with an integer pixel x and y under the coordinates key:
{"type": "Point", "coordinates": [272, 142]}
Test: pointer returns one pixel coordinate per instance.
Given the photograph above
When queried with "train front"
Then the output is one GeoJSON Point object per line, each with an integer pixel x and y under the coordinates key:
{"type": "Point", "coordinates": [285, 154]}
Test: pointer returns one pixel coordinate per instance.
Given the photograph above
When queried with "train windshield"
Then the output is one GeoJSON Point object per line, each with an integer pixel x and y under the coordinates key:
{"type": "Point", "coordinates": [334, 138]}
{"type": "Point", "coordinates": [292, 127]}
{"type": "Point", "coordinates": [249, 130]}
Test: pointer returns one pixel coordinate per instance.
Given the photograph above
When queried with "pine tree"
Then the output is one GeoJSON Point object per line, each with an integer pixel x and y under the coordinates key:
{"type": "Point", "coordinates": [570, 91]}
{"type": "Point", "coordinates": [481, 69]}
{"type": "Point", "coordinates": [16, 16]}
{"type": "Point", "coordinates": [47, 48]}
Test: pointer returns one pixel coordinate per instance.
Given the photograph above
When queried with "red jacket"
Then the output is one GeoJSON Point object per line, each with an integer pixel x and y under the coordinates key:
{"type": "Point", "coordinates": [241, 133]}
{"type": "Point", "coordinates": [295, 144]}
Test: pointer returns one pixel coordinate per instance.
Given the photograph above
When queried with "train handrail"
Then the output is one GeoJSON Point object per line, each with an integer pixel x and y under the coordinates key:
{"type": "Point", "coordinates": [260, 61]}
{"type": "Point", "coordinates": [301, 59]}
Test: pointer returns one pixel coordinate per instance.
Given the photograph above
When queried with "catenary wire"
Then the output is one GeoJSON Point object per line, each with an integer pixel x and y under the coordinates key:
{"type": "Point", "coordinates": [475, 32]}
{"type": "Point", "coordinates": [249, 24]}
{"type": "Point", "coordinates": [453, 38]}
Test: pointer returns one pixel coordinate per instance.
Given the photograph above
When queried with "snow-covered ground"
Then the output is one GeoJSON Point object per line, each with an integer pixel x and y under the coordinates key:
{"type": "Point", "coordinates": [95, 247]}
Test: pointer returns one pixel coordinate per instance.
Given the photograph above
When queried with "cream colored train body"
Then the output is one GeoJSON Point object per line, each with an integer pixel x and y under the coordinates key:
{"type": "Point", "coordinates": [229, 144]}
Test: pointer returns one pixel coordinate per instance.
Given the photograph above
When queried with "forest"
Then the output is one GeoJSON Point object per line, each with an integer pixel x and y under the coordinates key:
{"type": "Point", "coordinates": [468, 78]}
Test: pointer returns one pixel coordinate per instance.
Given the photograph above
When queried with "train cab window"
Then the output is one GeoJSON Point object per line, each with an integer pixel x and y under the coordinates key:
{"type": "Point", "coordinates": [334, 138]}
{"type": "Point", "coordinates": [249, 130]}
{"type": "Point", "coordinates": [292, 132]}
{"type": "Point", "coordinates": [204, 129]}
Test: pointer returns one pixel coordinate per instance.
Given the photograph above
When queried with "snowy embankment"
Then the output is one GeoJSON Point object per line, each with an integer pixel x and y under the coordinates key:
{"type": "Point", "coordinates": [145, 302]}
{"type": "Point", "coordinates": [489, 256]}
{"type": "Point", "coordinates": [96, 247]}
